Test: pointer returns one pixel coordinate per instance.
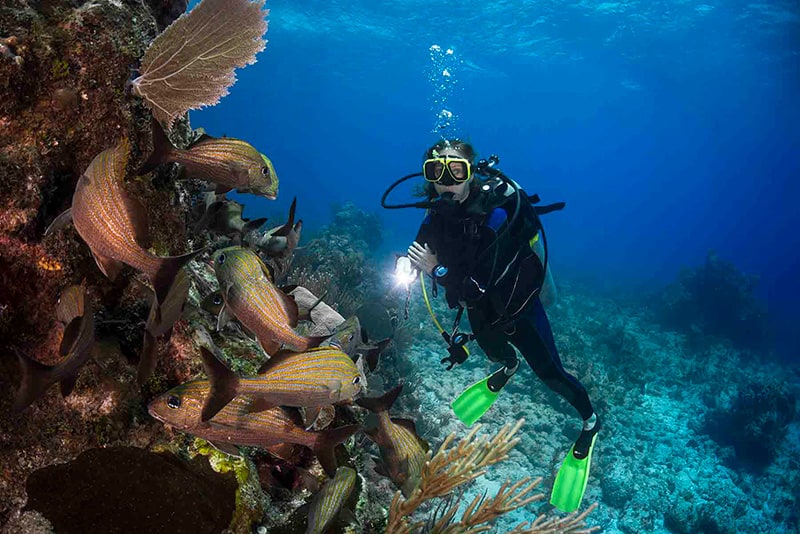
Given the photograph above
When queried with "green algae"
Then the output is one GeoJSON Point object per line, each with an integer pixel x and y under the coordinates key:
{"type": "Point", "coordinates": [251, 502]}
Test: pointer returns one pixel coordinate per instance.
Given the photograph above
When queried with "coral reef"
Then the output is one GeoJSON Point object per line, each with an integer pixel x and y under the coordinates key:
{"type": "Point", "coordinates": [336, 263]}
{"type": "Point", "coordinates": [755, 421]}
{"type": "Point", "coordinates": [716, 299]}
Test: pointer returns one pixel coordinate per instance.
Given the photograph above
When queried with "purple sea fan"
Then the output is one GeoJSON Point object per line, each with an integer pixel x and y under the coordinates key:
{"type": "Point", "coordinates": [191, 64]}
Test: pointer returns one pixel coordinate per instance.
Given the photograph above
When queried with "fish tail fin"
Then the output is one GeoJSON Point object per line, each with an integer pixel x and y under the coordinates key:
{"type": "Point", "coordinates": [162, 149]}
{"type": "Point", "coordinates": [382, 403]}
{"type": "Point", "coordinates": [327, 442]}
{"type": "Point", "coordinates": [166, 272]}
{"type": "Point", "coordinates": [224, 384]}
{"type": "Point", "coordinates": [35, 381]}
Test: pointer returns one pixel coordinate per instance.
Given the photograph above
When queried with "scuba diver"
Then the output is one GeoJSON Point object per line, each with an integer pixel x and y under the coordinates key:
{"type": "Point", "coordinates": [483, 242]}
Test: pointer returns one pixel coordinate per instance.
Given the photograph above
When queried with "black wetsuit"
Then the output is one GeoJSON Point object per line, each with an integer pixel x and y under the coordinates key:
{"type": "Point", "coordinates": [501, 294]}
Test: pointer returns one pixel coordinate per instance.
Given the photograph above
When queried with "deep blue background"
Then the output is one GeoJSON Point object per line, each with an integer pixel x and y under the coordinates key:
{"type": "Point", "coordinates": [669, 128]}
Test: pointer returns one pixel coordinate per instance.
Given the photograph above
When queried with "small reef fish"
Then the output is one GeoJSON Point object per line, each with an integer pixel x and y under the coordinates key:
{"type": "Point", "coordinates": [213, 303]}
{"type": "Point", "coordinates": [250, 295]}
{"type": "Point", "coordinates": [228, 163]}
{"type": "Point", "coordinates": [280, 242]}
{"type": "Point", "coordinates": [236, 425]}
{"type": "Point", "coordinates": [160, 322]}
{"type": "Point", "coordinates": [315, 378]}
{"type": "Point", "coordinates": [352, 339]}
{"type": "Point", "coordinates": [224, 217]}
{"type": "Point", "coordinates": [115, 226]}
{"type": "Point", "coordinates": [329, 501]}
{"type": "Point", "coordinates": [75, 312]}
{"type": "Point", "coordinates": [403, 452]}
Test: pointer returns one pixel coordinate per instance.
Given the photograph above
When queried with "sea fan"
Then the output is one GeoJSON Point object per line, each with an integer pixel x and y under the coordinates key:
{"type": "Point", "coordinates": [191, 64]}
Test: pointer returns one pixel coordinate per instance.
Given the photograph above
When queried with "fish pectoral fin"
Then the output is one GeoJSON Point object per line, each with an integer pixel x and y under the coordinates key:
{"type": "Point", "coordinates": [270, 346]}
{"type": "Point", "coordinates": [335, 390]}
{"type": "Point", "coordinates": [227, 448]}
{"type": "Point", "coordinates": [109, 266]}
{"type": "Point", "coordinates": [223, 318]}
{"type": "Point", "coordinates": [347, 516]}
{"type": "Point", "coordinates": [71, 334]}
{"type": "Point", "coordinates": [380, 467]}
{"type": "Point", "coordinates": [139, 219]}
{"type": "Point", "coordinates": [310, 416]}
{"type": "Point", "coordinates": [59, 222]}
{"type": "Point", "coordinates": [260, 404]}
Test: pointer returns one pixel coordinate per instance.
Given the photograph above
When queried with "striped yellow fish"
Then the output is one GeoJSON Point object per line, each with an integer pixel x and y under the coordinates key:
{"type": "Point", "coordinates": [228, 163]}
{"type": "Point", "coordinates": [249, 294]}
{"type": "Point", "coordinates": [75, 312]}
{"type": "Point", "coordinates": [114, 225]}
{"type": "Point", "coordinates": [403, 452]}
{"type": "Point", "coordinates": [311, 379]}
{"type": "Point", "coordinates": [329, 500]}
{"type": "Point", "coordinates": [236, 425]}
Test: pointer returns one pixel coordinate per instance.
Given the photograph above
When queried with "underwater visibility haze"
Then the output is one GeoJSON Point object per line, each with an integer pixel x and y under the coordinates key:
{"type": "Point", "coordinates": [223, 308]}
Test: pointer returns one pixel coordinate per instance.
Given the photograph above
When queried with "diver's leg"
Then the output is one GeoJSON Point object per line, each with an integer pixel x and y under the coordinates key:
{"type": "Point", "coordinates": [533, 337]}
{"type": "Point", "coordinates": [491, 340]}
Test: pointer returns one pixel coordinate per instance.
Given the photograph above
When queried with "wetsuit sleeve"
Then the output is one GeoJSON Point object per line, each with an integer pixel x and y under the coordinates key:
{"type": "Point", "coordinates": [454, 280]}
{"type": "Point", "coordinates": [424, 232]}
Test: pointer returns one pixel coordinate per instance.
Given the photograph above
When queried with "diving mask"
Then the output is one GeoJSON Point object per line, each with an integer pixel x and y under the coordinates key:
{"type": "Point", "coordinates": [447, 170]}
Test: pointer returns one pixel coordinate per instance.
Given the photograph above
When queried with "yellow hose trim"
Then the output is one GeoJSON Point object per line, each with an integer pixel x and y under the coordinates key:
{"type": "Point", "coordinates": [430, 310]}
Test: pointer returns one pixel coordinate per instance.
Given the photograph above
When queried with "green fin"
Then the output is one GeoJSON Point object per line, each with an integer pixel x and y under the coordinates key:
{"type": "Point", "coordinates": [474, 402]}
{"type": "Point", "coordinates": [570, 484]}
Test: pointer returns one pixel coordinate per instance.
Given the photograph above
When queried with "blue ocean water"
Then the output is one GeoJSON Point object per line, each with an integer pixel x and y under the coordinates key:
{"type": "Point", "coordinates": [670, 128]}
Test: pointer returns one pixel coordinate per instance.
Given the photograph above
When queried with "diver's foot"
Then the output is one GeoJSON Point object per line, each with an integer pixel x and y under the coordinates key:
{"type": "Point", "coordinates": [585, 441]}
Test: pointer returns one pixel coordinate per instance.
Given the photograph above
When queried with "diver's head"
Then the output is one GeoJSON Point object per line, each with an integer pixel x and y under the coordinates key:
{"type": "Point", "coordinates": [448, 169]}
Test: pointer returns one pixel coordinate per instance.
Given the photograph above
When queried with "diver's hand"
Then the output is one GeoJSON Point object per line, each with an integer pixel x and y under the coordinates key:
{"type": "Point", "coordinates": [422, 257]}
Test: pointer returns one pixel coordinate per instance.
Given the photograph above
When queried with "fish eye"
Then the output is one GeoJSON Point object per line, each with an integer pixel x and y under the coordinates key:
{"type": "Point", "coordinates": [217, 300]}
{"type": "Point", "coordinates": [356, 380]}
{"type": "Point", "coordinates": [221, 259]}
{"type": "Point", "coordinates": [174, 402]}
{"type": "Point", "coordinates": [265, 171]}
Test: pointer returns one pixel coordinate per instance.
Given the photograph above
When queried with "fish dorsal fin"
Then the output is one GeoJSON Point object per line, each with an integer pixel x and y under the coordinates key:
{"type": "Point", "coordinates": [275, 359]}
{"type": "Point", "coordinates": [287, 228]}
{"type": "Point", "coordinates": [201, 139]}
{"type": "Point", "coordinates": [139, 219]}
{"type": "Point", "coordinates": [224, 384]}
{"type": "Point", "coordinates": [71, 334]}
